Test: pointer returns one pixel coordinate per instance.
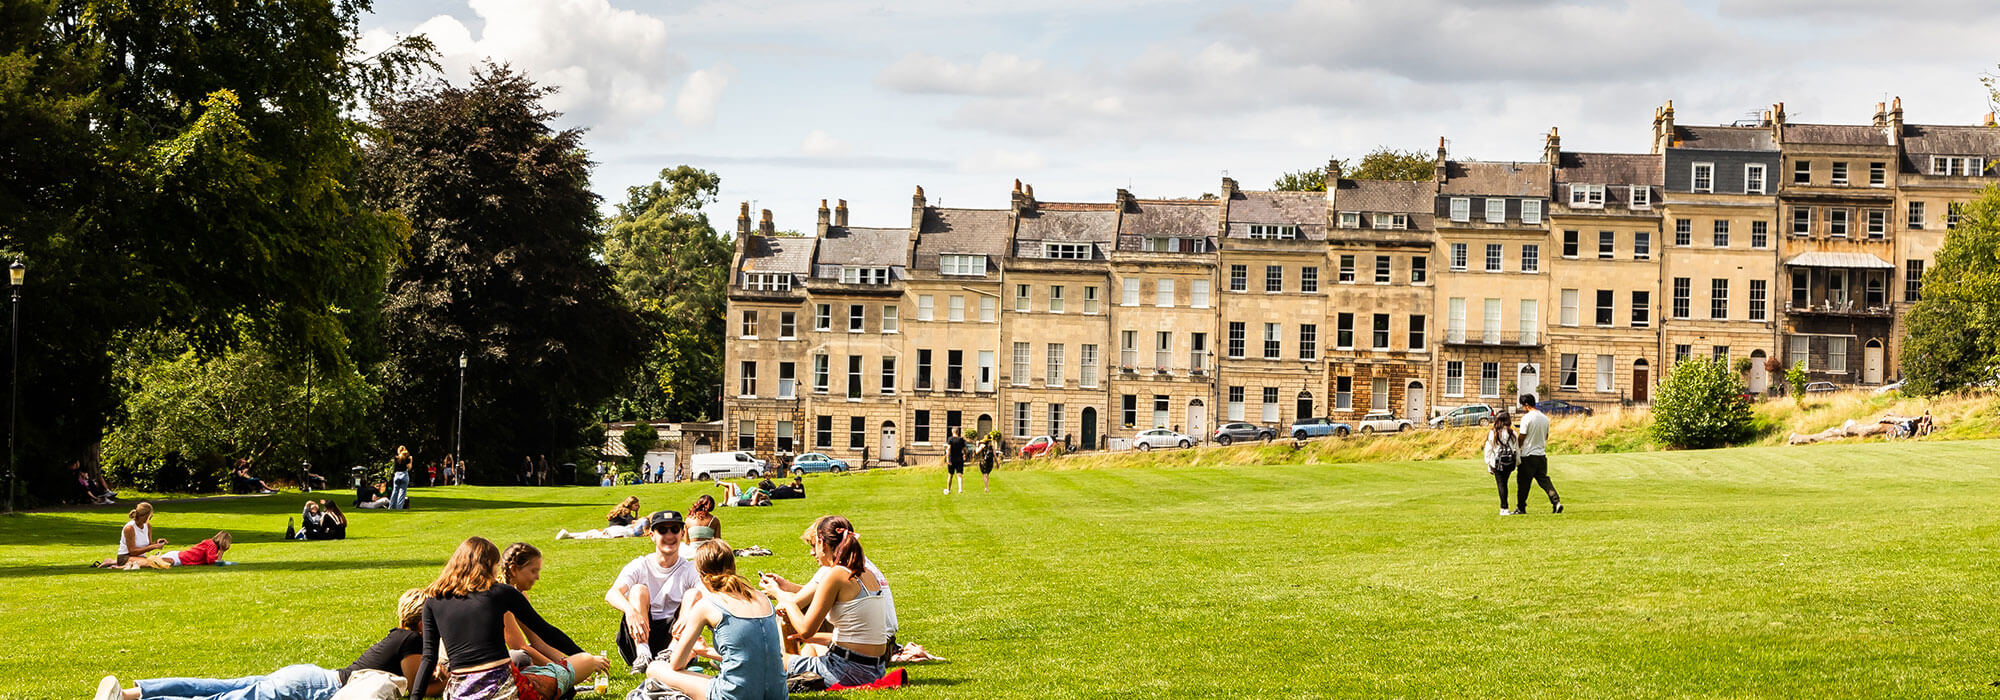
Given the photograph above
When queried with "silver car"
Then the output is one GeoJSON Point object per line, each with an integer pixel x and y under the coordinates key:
{"type": "Point", "coordinates": [1384, 422]}
{"type": "Point", "coordinates": [1160, 437]}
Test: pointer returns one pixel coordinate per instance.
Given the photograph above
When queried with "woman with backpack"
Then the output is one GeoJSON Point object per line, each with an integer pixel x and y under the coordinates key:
{"type": "Point", "coordinates": [1503, 454]}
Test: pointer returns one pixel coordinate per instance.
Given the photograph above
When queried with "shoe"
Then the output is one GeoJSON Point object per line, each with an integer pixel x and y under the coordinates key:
{"type": "Point", "coordinates": [108, 689]}
{"type": "Point", "coordinates": [562, 533]}
{"type": "Point", "coordinates": [639, 666]}
{"type": "Point", "coordinates": [1504, 511]}
{"type": "Point", "coordinates": [947, 490]}
{"type": "Point", "coordinates": [1558, 508]}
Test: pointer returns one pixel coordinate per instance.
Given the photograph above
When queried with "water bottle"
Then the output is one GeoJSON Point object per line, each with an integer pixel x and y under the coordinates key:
{"type": "Point", "coordinates": [603, 679]}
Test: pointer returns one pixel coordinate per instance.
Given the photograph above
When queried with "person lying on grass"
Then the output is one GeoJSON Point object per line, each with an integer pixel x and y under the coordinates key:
{"type": "Point", "coordinates": [378, 674]}
{"type": "Point", "coordinates": [849, 599]}
{"type": "Point", "coordinates": [465, 618]}
{"type": "Point", "coordinates": [521, 567]}
{"type": "Point", "coordinates": [736, 496]}
{"type": "Point", "coordinates": [888, 594]}
{"type": "Point", "coordinates": [621, 522]}
{"type": "Point", "coordinates": [649, 591]}
{"type": "Point", "coordinates": [135, 539]}
{"type": "Point", "coordinates": [748, 645]}
{"type": "Point", "coordinates": [796, 489]}
{"type": "Point", "coordinates": [208, 551]}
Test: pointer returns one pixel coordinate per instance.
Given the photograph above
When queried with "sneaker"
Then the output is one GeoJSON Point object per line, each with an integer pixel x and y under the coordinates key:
{"type": "Point", "coordinates": [562, 533]}
{"type": "Point", "coordinates": [947, 490]}
{"type": "Point", "coordinates": [1558, 508]}
{"type": "Point", "coordinates": [107, 689]}
{"type": "Point", "coordinates": [1504, 511]}
{"type": "Point", "coordinates": [639, 665]}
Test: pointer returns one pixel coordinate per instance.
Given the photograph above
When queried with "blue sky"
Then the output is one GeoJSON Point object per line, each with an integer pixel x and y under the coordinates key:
{"type": "Point", "coordinates": [796, 101]}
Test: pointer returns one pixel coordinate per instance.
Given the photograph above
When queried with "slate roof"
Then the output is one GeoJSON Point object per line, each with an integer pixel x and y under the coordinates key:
{"type": "Point", "coordinates": [1192, 218]}
{"type": "Point", "coordinates": [1071, 223]}
{"type": "Point", "coordinates": [1502, 179]}
{"type": "Point", "coordinates": [1392, 196]}
{"type": "Point", "coordinates": [1610, 168]}
{"type": "Point", "coordinates": [779, 254]}
{"type": "Point", "coordinates": [1837, 134]}
{"type": "Point", "coordinates": [972, 231]}
{"type": "Point", "coordinates": [863, 246]}
{"type": "Point", "coordinates": [1724, 138]}
{"type": "Point", "coordinates": [1303, 208]}
{"type": "Point", "coordinates": [1951, 140]}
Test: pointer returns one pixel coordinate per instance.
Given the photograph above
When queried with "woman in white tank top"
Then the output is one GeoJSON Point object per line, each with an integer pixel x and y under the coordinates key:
{"type": "Point", "coordinates": [136, 539]}
{"type": "Point", "coordinates": [849, 600]}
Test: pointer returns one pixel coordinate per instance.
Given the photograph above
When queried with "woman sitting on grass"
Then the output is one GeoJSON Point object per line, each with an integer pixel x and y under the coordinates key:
{"type": "Point", "coordinates": [796, 489]}
{"type": "Point", "coordinates": [888, 593]}
{"type": "Point", "coordinates": [208, 551]}
{"type": "Point", "coordinates": [702, 526]}
{"type": "Point", "coordinates": [748, 645]}
{"type": "Point", "coordinates": [521, 567]}
{"type": "Point", "coordinates": [136, 539]}
{"type": "Point", "coordinates": [850, 598]}
{"type": "Point", "coordinates": [621, 522]}
{"type": "Point", "coordinates": [381, 669]}
{"type": "Point", "coordinates": [465, 613]}
{"type": "Point", "coordinates": [322, 520]}
{"type": "Point", "coordinates": [369, 495]}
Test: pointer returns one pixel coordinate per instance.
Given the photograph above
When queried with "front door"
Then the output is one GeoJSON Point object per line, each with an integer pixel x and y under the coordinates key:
{"type": "Point", "coordinates": [1089, 429]}
{"type": "Point", "coordinates": [1413, 400]}
{"type": "Point", "coordinates": [1871, 362]}
{"type": "Point", "coordinates": [1640, 385]}
{"type": "Point", "coordinates": [1197, 419]}
{"type": "Point", "coordinates": [888, 442]}
{"type": "Point", "coordinates": [1529, 379]}
{"type": "Point", "coordinates": [1760, 378]}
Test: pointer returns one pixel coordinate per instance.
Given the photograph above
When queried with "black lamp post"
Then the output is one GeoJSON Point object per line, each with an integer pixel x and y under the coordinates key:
{"type": "Point", "coordinates": [458, 431]}
{"type": "Point", "coordinates": [17, 274]}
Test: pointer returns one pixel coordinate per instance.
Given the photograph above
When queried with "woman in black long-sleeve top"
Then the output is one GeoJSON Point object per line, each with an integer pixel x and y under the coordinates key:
{"type": "Point", "coordinates": [467, 607]}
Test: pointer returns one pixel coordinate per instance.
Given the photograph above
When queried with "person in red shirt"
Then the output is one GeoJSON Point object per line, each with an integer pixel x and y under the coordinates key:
{"type": "Point", "coordinates": [207, 551]}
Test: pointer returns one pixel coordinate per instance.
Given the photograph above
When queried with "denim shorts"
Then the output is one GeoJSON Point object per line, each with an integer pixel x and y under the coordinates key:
{"type": "Point", "coordinates": [837, 670]}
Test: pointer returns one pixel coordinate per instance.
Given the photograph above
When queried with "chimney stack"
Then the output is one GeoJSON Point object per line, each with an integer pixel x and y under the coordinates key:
{"type": "Point", "coordinates": [1896, 121]}
{"type": "Point", "coordinates": [1881, 115]}
{"type": "Point", "coordinates": [765, 226]}
{"type": "Point", "coordinates": [917, 205]}
{"type": "Point", "coordinates": [1229, 188]}
{"type": "Point", "coordinates": [1437, 171]}
{"type": "Point", "coordinates": [743, 222]}
{"type": "Point", "coordinates": [824, 219]}
{"type": "Point", "coordinates": [1332, 172]}
{"type": "Point", "coordinates": [1552, 148]}
{"type": "Point", "coordinates": [1778, 122]}
{"type": "Point", "coordinates": [1023, 198]}
{"type": "Point", "coordinates": [840, 214]}
{"type": "Point", "coordinates": [1124, 199]}
{"type": "Point", "coordinates": [1989, 119]}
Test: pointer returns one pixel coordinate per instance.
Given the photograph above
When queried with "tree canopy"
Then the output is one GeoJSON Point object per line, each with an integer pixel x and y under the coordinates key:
{"type": "Point", "coordinates": [674, 270]}
{"type": "Point", "coordinates": [1383, 163]}
{"type": "Point", "coordinates": [1953, 339]}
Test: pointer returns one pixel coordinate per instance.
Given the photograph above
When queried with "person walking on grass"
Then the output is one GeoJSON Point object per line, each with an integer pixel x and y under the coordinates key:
{"type": "Point", "coordinates": [1503, 455]}
{"type": "Point", "coordinates": [988, 455]}
{"type": "Point", "coordinates": [399, 484]}
{"type": "Point", "coordinates": [1534, 457]}
{"type": "Point", "coordinates": [954, 465]}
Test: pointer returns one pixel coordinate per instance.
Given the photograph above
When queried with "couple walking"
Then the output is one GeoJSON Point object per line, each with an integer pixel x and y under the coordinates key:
{"type": "Point", "coordinates": [1524, 454]}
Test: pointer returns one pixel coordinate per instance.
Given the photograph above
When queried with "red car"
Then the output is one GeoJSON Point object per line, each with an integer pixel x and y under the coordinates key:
{"type": "Point", "coordinates": [1037, 446]}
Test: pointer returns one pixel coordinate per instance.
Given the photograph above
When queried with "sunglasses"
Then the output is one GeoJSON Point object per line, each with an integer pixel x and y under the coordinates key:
{"type": "Point", "coordinates": [667, 529]}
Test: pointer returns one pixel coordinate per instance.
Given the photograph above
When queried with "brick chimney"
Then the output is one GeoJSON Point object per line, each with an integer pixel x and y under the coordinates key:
{"type": "Point", "coordinates": [917, 205]}
{"type": "Point", "coordinates": [1552, 148]}
{"type": "Point", "coordinates": [1332, 180]}
{"type": "Point", "coordinates": [1437, 171]}
{"type": "Point", "coordinates": [743, 222]}
{"type": "Point", "coordinates": [840, 213]}
{"type": "Point", "coordinates": [825, 218]}
{"type": "Point", "coordinates": [1125, 199]}
{"type": "Point", "coordinates": [743, 234]}
{"type": "Point", "coordinates": [1778, 122]}
{"type": "Point", "coordinates": [765, 227]}
{"type": "Point", "coordinates": [1989, 120]}
{"type": "Point", "coordinates": [1229, 188]}
{"type": "Point", "coordinates": [1663, 128]}
{"type": "Point", "coordinates": [1023, 198]}
{"type": "Point", "coordinates": [1881, 115]}
{"type": "Point", "coordinates": [1896, 121]}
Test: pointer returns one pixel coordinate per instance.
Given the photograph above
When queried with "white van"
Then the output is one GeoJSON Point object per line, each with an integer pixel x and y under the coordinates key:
{"type": "Point", "coordinates": [727, 465]}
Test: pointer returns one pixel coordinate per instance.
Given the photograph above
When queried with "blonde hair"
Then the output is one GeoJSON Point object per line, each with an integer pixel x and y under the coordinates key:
{"type": "Point", "coordinates": [222, 540]}
{"type": "Point", "coordinates": [517, 557]}
{"type": "Point", "coordinates": [470, 569]}
{"type": "Point", "coordinates": [717, 564]}
{"type": "Point", "coordinates": [627, 507]}
{"type": "Point", "coordinates": [410, 609]}
{"type": "Point", "coordinates": [143, 510]}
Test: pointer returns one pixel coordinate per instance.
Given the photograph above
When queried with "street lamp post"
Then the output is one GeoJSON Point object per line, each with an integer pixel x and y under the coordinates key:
{"type": "Point", "coordinates": [17, 274]}
{"type": "Point", "coordinates": [458, 430]}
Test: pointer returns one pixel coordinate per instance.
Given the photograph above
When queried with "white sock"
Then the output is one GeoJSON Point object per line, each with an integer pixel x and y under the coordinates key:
{"type": "Point", "coordinates": [645, 652]}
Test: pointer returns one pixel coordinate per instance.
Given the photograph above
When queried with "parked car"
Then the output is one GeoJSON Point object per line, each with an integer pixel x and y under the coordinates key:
{"type": "Point", "coordinates": [1315, 427]}
{"type": "Point", "coordinates": [1559, 408]}
{"type": "Point", "coordinates": [1886, 388]}
{"type": "Point", "coordinates": [1821, 387]}
{"type": "Point", "coordinates": [1160, 437]}
{"type": "Point", "coordinates": [812, 462]}
{"type": "Point", "coordinates": [1231, 432]}
{"type": "Point", "coordinates": [728, 465]}
{"type": "Point", "coordinates": [1384, 422]}
{"type": "Point", "coordinates": [1037, 446]}
{"type": "Point", "coordinates": [1476, 414]}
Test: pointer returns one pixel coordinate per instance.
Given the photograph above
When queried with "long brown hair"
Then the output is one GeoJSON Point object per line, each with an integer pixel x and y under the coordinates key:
{"type": "Point", "coordinates": [470, 570]}
{"type": "Point", "coordinates": [702, 504]}
{"type": "Point", "coordinates": [716, 563]}
{"type": "Point", "coordinates": [1503, 421]}
{"type": "Point", "coordinates": [628, 507]}
{"type": "Point", "coordinates": [518, 555]}
{"type": "Point", "coordinates": [837, 535]}
{"type": "Point", "coordinates": [334, 508]}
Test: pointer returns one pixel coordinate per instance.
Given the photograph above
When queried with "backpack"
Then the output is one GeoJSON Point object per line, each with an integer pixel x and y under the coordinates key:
{"type": "Point", "coordinates": [1507, 458]}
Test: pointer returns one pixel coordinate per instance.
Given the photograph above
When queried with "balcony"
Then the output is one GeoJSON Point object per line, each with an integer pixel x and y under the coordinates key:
{"type": "Point", "coordinates": [1460, 337]}
{"type": "Point", "coordinates": [1834, 307]}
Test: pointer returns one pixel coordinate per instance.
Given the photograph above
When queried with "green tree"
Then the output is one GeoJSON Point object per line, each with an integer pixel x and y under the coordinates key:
{"type": "Point", "coordinates": [1795, 377]}
{"type": "Point", "coordinates": [1308, 180]}
{"type": "Point", "coordinates": [503, 267]}
{"type": "Point", "coordinates": [638, 440]}
{"type": "Point", "coordinates": [1383, 163]}
{"type": "Point", "coordinates": [1954, 330]}
{"type": "Point", "coordinates": [674, 270]}
{"type": "Point", "coordinates": [1700, 405]}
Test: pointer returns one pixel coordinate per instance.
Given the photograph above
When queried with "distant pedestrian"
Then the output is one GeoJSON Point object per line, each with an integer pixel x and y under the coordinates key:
{"type": "Point", "coordinates": [1068, 446]}
{"type": "Point", "coordinates": [527, 470]}
{"type": "Point", "coordinates": [542, 471]}
{"type": "Point", "coordinates": [954, 462]}
{"type": "Point", "coordinates": [450, 470]}
{"type": "Point", "coordinates": [1503, 455]}
{"type": "Point", "coordinates": [399, 484]}
{"type": "Point", "coordinates": [1534, 457]}
{"type": "Point", "coordinates": [989, 454]}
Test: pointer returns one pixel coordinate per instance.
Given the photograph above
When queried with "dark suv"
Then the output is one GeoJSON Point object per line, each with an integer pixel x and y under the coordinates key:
{"type": "Point", "coordinates": [1231, 432]}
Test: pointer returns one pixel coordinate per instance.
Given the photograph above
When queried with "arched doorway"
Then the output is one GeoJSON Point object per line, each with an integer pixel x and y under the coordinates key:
{"type": "Point", "coordinates": [1305, 406]}
{"type": "Point", "coordinates": [1197, 415]}
{"type": "Point", "coordinates": [889, 443]}
{"type": "Point", "coordinates": [1760, 378]}
{"type": "Point", "coordinates": [985, 424]}
{"type": "Point", "coordinates": [1871, 362]}
{"type": "Point", "coordinates": [1528, 379]}
{"type": "Point", "coordinates": [1642, 384]}
{"type": "Point", "coordinates": [1089, 428]}
{"type": "Point", "coordinates": [1413, 403]}
{"type": "Point", "coordinates": [702, 446]}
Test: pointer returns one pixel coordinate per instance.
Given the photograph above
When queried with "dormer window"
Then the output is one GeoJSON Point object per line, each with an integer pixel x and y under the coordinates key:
{"type": "Point", "coordinates": [1958, 165]}
{"type": "Point", "coordinates": [767, 281]}
{"type": "Point", "coordinates": [1704, 177]}
{"type": "Point", "coordinates": [1642, 197]}
{"type": "Point", "coordinates": [961, 264]}
{"type": "Point", "coordinates": [1066, 251]}
{"type": "Point", "coordinates": [864, 275]}
{"type": "Point", "coordinates": [1392, 221]}
{"type": "Point", "coordinates": [1285, 231]}
{"type": "Point", "coordinates": [1174, 245]}
{"type": "Point", "coordinates": [1461, 209]}
{"type": "Point", "coordinates": [1350, 219]}
{"type": "Point", "coordinates": [1586, 196]}
{"type": "Point", "coordinates": [1496, 210]}
{"type": "Point", "coordinates": [1531, 211]}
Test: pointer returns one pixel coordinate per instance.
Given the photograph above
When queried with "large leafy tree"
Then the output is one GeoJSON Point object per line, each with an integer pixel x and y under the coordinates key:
{"type": "Point", "coordinates": [503, 266]}
{"type": "Point", "coordinates": [1700, 405]}
{"type": "Point", "coordinates": [1383, 163]}
{"type": "Point", "coordinates": [673, 268]}
{"type": "Point", "coordinates": [184, 164]}
{"type": "Point", "coordinates": [1954, 331]}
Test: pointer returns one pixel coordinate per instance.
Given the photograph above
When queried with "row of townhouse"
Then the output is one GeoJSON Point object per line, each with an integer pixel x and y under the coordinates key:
{"type": "Point", "coordinates": [1577, 277]}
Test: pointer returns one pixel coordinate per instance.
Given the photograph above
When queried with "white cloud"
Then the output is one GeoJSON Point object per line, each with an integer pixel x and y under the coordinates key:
{"type": "Point", "coordinates": [701, 92]}
{"type": "Point", "coordinates": [997, 160]}
{"type": "Point", "coordinates": [995, 74]}
{"type": "Point", "coordinates": [820, 143]}
{"type": "Point", "coordinates": [612, 66]}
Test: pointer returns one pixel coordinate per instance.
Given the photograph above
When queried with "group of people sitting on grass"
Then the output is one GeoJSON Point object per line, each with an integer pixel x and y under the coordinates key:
{"type": "Point", "coordinates": [137, 548]}
{"type": "Point", "coordinates": [321, 520]}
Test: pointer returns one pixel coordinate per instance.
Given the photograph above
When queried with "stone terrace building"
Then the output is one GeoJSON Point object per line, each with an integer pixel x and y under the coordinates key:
{"type": "Point", "coordinates": [1584, 276]}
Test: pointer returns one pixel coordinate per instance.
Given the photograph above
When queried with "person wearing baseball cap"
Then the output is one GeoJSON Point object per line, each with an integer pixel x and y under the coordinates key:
{"type": "Point", "coordinates": [648, 591]}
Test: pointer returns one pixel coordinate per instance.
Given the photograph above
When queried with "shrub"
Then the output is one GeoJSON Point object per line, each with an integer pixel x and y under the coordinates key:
{"type": "Point", "coordinates": [1796, 378]}
{"type": "Point", "coordinates": [1700, 405]}
{"type": "Point", "coordinates": [639, 439]}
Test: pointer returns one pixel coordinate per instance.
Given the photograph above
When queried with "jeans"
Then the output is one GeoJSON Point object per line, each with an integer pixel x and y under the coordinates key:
{"type": "Point", "coordinates": [837, 670]}
{"type": "Point", "coordinates": [300, 682]}
{"type": "Point", "coordinates": [1534, 470]}
{"type": "Point", "coordinates": [399, 491]}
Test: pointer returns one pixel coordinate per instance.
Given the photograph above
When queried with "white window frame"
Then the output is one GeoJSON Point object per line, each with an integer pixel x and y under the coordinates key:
{"type": "Point", "coordinates": [892, 317]}
{"type": "Point", "coordinates": [1198, 291]}
{"type": "Point", "coordinates": [1163, 293]}
{"type": "Point", "coordinates": [1640, 197]}
{"type": "Point", "coordinates": [1754, 178]}
{"type": "Point", "coordinates": [962, 264]}
{"type": "Point", "coordinates": [1066, 251]}
{"type": "Point", "coordinates": [1642, 245]}
{"type": "Point", "coordinates": [1838, 174]}
{"type": "Point", "coordinates": [1496, 210]}
{"type": "Point", "coordinates": [1057, 304]}
{"type": "Point", "coordinates": [1496, 257]}
{"type": "Point", "coordinates": [1583, 196]}
{"type": "Point", "coordinates": [1702, 178]}
{"type": "Point", "coordinates": [1129, 292]}
{"type": "Point", "coordinates": [1531, 258]}
{"type": "Point", "coordinates": [1458, 259]}
{"type": "Point", "coordinates": [1570, 299]}
{"type": "Point", "coordinates": [864, 275]}
{"type": "Point", "coordinates": [1531, 211]}
{"type": "Point", "coordinates": [1056, 356]}
{"type": "Point", "coordinates": [1607, 374]}
{"type": "Point", "coordinates": [1351, 219]}
{"type": "Point", "coordinates": [926, 307]}
{"type": "Point", "coordinates": [1461, 209]}
{"type": "Point", "coordinates": [955, 309]}
{"type": "Point", "coordinates": [1454, 378]}
{"type": "Point", "coordinates": [1021, 360]}
{"type": "Point", "coordinates": [1090, 300]}
{"type": "Point", "coordinates": [1086, 371]}
{"type": "Point", "coordinates": [988, 309]}
{"type": "Point", "coordinates": [1274, 231]}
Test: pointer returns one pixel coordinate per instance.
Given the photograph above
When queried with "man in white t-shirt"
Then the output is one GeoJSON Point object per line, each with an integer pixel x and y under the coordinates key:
{"type": "Point", "coordinates": [1534, 457]}
{"type": "Point", "coordinates": [649, 591]}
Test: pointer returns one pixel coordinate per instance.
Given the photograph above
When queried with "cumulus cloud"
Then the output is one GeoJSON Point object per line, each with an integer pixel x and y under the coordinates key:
{"type": "Point", "coordinates": [612, 66]}
{"type": "Point", "coordinates": [700, 94]}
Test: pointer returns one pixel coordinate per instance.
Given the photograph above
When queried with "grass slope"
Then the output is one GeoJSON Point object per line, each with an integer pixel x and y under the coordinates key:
{"type": "Point", "coordinates": [1825, 571]}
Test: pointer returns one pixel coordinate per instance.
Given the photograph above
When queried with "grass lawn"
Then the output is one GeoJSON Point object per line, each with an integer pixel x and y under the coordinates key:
{"type": "Point", "coordinates": [1860, 571]}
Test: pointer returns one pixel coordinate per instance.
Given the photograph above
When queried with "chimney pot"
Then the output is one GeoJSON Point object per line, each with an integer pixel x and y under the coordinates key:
{"type": "Point", "coordinates": [1031, 191]}
{"type": "Point", "coordinates": [840, 214]}
{"type": "Point", "coordinates": [1017, 184]}
{"type": "Point", "coordinates": [1989, 119]}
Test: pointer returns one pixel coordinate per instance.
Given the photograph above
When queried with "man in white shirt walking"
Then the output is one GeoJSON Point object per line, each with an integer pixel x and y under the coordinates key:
{"type": "Point", "coordinates": [1534, 457]}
